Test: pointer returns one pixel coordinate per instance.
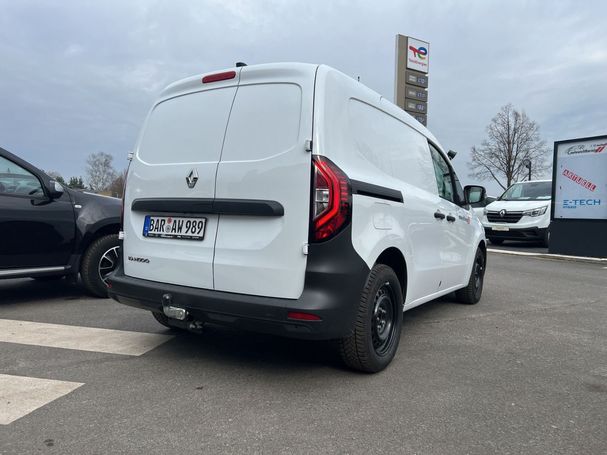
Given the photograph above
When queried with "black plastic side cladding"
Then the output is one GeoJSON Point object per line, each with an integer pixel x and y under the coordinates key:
{"type": "Point", "coordinates": [335, 277]}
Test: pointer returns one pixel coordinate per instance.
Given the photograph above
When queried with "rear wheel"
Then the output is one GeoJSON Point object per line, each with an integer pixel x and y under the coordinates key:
{"type": "Point", "coordinates": [374, 339]}
{"type": "Point", "coordinates": [471, 294]}
{"type": "Point", "coordinates": [546, 238]}
{"type": "Point", "coordinates": [99, 260]}
{"type": "Point", "coordinates": [495, 241]}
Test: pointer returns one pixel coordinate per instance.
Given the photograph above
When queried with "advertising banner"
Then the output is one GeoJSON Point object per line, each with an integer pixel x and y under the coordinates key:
{"type": "Point", "coordinates": [580, 185]}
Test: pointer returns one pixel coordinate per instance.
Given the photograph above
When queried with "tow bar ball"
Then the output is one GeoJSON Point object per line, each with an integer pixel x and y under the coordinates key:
{"type": "Point", "coordinates": [171, 311]}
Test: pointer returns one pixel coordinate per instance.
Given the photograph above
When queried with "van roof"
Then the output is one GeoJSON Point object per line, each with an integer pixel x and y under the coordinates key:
{"type": "Point", "coordinates": [194, 83]}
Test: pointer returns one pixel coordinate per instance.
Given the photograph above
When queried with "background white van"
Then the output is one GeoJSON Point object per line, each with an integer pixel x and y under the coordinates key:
{"type": "Point", "coordinates": [291, 199]}
{"type": "Point", "coordinates": [521, 213]}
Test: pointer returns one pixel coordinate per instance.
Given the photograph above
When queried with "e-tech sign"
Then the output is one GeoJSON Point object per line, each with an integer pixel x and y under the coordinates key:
{"type": "Point", "coordinates": [578, 220]}
{"type": "Point", "coordinates": [580, 179]}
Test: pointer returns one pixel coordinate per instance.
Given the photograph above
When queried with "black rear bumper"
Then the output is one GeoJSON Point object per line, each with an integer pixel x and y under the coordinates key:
{"type": "Point", "coordinates": [335, 276]}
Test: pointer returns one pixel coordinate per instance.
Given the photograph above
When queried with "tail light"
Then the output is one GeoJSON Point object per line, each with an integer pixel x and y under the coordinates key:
{"type": "Point", "coordinates": [331, 199]}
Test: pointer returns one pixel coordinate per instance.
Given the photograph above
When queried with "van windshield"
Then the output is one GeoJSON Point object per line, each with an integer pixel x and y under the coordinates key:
{"type": "Point", "coordinates": [528, 191]}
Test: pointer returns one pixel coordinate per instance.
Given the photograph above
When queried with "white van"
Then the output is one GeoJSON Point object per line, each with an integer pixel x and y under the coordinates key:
{"type": "Point", "coordinates": [521, 213]}
{"type": "Point", "coordinates": [291, 199]}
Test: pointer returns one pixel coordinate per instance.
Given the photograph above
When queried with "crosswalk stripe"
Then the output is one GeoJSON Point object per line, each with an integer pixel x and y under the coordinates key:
{"type": "Point", "coordinates": [81, 338]}
{"type": "Point", "coordinates": [20, 395]}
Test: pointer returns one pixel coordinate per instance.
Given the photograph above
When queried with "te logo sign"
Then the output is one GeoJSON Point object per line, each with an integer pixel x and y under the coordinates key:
{"type": "Point", "coordinates": [419, 52]}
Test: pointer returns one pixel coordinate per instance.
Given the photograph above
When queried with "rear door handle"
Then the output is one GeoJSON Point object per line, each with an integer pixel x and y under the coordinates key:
{"type": "Point", "coordinates": [439, 215]}
{"type": "Point", "coordinates": [450, 218]}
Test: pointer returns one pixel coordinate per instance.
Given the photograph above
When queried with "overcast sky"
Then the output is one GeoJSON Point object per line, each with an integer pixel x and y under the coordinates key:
{"type": "Point", "coordinates": [79, 76]}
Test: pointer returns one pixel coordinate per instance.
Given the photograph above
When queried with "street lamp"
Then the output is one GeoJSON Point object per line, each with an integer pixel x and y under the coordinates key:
{"type": "Point", "coordinates": [527, 164]}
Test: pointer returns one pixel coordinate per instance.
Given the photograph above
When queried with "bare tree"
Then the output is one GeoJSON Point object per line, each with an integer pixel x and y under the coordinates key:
{"type": "Point", "coordinates": [512, 139]}
{"type": "Point", "coordinates": [99, 170]}
{"type": "Point", "coordinates": [117, 186]}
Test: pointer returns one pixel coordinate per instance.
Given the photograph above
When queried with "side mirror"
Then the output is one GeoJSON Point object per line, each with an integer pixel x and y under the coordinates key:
{"type": "Point", "coordinates": [54, 189]}
{"type": "Point", "coordinates": [474, 194]}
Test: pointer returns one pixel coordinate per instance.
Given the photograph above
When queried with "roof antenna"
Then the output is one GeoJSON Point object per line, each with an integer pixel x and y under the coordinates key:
{"type": "Point", "coordinates": [239, 64]}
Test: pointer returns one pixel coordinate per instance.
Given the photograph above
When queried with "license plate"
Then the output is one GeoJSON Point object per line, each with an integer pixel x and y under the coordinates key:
{"type": "Point", "coordinates": [173, 227]}
{"type": "Point", "coordinates": [500, 228]}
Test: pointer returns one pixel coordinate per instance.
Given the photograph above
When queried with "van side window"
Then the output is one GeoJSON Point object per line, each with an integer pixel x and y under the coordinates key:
{"type": "Point", "coordinates": [459, 191]}
{"type": "Point", "coordinates": [443, 175]}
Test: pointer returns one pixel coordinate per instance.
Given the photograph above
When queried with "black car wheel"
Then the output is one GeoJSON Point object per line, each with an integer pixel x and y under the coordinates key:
{"type": "Point", "coordinates": [471, 294]}
{"type": "Point", "coordinates": [373, 342]}
{"type": "Point", "coordinates": [100, 259]}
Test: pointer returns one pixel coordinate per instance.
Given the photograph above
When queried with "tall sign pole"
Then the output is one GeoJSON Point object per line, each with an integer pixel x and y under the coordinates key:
{"type": "Point", "coordinates": [411, 76]}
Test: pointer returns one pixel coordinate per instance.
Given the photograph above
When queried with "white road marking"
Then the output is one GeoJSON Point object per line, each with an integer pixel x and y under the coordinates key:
{"type": "Point", "coordinates": [80, 338]}
{"type": "Point", "coordinates": [20, 395]}
{"type": "Point", "coordinates": [550, 256]}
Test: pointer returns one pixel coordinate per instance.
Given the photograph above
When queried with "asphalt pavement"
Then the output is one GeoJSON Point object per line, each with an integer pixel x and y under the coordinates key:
{"type": "Point", "coordinates": [524, 371]}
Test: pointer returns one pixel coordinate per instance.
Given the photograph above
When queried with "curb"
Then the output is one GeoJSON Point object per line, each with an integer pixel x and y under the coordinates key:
{"type": "Point", "coordinates": [558, 257]}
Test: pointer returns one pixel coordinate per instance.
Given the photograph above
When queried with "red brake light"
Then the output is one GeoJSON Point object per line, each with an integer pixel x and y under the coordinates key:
{"type": "Point", "coordinates": [219, 77]}
{"type": "Point", "coordinates": [303, 316]}
{"type": "Point", "coordinates": [331, 199]}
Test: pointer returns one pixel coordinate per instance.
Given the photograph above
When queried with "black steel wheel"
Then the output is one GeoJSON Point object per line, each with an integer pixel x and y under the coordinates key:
{"type": "Point", "coordinates": [382, 323]}
{"type": "Point", "coordinates": [472, 293]}
{"type": "Point", "coordinates": [376, 333]}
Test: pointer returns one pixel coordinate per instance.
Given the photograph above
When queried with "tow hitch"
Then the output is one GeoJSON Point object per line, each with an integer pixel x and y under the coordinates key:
{"type": "Point", "coordinates": [178, 316]}
{"type": "Point", "coordinates": [173, 312]}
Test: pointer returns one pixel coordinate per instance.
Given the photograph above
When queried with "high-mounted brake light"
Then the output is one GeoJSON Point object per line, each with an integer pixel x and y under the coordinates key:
{"type": "Point", "coordinates": [331, 199]}
{"type": "Point", "coordinates": [219, 77]}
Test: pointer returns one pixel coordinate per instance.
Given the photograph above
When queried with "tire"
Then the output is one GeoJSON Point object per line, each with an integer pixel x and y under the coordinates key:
{"type": "Point", "coordinates": [373, 342]}
{"type": "Point", "coordinates": [100, 258]}
{"type": "Point", "coordinates": [546, 238]}
{"type": "Point", "coordinates": [472, 293]}
{"type": "Point", "coordinates": [495, 241]}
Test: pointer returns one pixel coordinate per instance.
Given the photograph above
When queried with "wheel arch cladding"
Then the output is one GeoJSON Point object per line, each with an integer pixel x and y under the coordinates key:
{"type": "Point", "coordinates": [393, 258]}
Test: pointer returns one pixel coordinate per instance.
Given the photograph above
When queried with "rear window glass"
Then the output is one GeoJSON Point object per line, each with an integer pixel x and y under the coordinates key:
{"type": "Point", "coordinates": [187, 129]}
{"type": "Point", "coordinates": [264, 122]}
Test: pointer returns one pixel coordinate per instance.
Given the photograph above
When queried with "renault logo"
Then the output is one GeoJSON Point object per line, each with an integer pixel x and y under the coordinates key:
{"type": "Point", "coordinates": [192, 178]}
{"type": "Point", "coordinates": [502, 213]}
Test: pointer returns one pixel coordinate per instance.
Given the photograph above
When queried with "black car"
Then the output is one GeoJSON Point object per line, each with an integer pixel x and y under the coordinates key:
{"type": "Point", "coordinates": [48, 231]}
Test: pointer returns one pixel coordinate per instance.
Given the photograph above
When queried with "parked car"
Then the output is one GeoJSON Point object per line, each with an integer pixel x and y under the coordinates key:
{"type": "Point", "coordinates": [521, 213]}
{"type": "Point", "coordinates": [50, 231]}
{"type": "Point", "coordinates": [479, 207]}
{"type": "Point", "coordinates": [291, 199]}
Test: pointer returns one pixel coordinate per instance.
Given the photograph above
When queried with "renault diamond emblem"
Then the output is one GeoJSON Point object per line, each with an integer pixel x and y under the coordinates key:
{"type": "Point", "coordinates": [502, 212]}
{"type": "Point", "coordinates": [192, 178]}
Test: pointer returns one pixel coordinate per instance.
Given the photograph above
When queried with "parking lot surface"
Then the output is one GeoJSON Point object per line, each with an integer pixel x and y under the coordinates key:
{"type": "Point", "coordinates": [524, 371]}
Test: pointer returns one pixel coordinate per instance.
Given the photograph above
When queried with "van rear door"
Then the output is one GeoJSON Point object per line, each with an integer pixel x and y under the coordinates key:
{"type": "Point", "coordinates": [171, 182]}
{"type": "Point", "coordinates": [265, 170]}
